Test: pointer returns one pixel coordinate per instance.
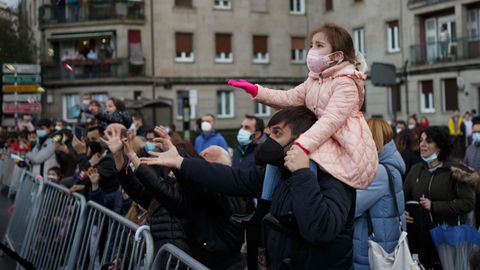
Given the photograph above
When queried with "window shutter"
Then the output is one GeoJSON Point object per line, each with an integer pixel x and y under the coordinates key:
{"type": "Point", "coordinates": [298, 43]}
{"type": "Point", "coordinates": [184, 42]}
{"type": "Point", "coordinates": [328, 5]}
{"type": "Point", "coordinates": [223, 43]}
{"type": "Point", "coordinates": [451, 94]}
{"type": "Point", "coordinates": [260, 44]}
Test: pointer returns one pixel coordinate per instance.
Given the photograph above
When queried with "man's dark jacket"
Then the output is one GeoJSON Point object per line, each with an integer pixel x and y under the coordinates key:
{"type": "Point", "coordinates": [319, 213]}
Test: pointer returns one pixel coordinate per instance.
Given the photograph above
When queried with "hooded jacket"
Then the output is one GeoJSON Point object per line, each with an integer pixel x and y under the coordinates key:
{"type": "Point", "coordinates": [340, 142]}
{"type": "Point", "coordinates": [450, 188]}
{"type": "Point", "coordinates": [379, 201]}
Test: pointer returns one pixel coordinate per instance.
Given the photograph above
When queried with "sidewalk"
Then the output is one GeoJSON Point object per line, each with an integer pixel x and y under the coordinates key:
{"type": "Point", "coordinates": [5, 262]}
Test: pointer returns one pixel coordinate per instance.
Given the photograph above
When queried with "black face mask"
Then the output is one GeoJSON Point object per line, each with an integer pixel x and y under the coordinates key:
{"type": "Point", "coordinates": [271, 152]}
{"type": "Point", "coordinates": [95, 147]}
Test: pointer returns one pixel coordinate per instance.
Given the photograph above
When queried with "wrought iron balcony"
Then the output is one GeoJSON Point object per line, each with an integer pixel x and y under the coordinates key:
{"type": "Point", "coordinates": [92, 11]}
{"type": "Point", "coordinates": [444, 52]}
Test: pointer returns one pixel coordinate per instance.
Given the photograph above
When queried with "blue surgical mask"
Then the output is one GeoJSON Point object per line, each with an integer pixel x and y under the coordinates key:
{"type": "Point", "coordinates": [431, 158]}
{"type": "Point", "coordinates": [41, 133]}
{"type": "Point", "coordinates": [244, 137]}
{"type": "Point", "coordinates": [133, 126]}
{"type": "Point", "coordinates": [149, 146]}
{"type": "Point", "coordinates": [476, 137]}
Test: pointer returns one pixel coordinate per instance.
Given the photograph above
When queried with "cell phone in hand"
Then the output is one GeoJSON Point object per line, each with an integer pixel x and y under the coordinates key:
{"type": "Point", "coordinates": [79, 132]}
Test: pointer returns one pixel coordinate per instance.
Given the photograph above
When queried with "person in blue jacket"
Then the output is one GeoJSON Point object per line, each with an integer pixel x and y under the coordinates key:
{"type": "Point", "coordinates": [310, 224]}
{"type": "Point", "coordinates": [209, 135]}
{"type": "Point", "coordinates": [377, 198]}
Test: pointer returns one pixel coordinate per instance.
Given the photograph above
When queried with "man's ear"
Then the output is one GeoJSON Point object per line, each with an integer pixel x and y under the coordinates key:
{"type": "Point", "coordinates": [257, 135]}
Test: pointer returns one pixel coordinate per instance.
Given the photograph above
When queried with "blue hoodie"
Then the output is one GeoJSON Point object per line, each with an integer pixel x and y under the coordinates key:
{"type": "Point", "coordinates": [378, 200]}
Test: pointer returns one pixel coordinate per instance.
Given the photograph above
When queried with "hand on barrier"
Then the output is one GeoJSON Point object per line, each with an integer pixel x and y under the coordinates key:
{"type": "Point", "coordinates": [250, 88]}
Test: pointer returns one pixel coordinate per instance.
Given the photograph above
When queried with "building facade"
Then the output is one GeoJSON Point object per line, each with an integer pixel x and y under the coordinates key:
{"type": "Point", "coordinates": [158, 54]}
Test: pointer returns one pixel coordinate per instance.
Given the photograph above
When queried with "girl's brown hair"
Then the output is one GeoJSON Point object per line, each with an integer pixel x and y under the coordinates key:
{"type": "Point", "coordinates": [339, 39]}
{"type": "Point", "coordinates": [382, 132]}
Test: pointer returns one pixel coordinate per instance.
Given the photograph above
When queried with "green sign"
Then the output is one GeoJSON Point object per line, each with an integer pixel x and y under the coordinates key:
{"type": "Point", "coordinates": [28, 79]}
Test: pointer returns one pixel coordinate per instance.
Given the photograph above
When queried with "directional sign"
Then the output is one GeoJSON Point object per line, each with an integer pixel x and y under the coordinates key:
{"type": "Point", "coordinates": [26, 88]}
{"type": "Point", "coordinates": [21, 68]}
{"type": "Point", "coordinates": [22, 108]}
{"type": "Point", "coordinates": [22, 98]}
{"type": "Point", "coordinates": [28, 79]}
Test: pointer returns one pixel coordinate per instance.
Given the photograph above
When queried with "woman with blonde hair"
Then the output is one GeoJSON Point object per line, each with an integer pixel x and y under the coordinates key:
{"type": "Point", "coordinates": [376, 204]}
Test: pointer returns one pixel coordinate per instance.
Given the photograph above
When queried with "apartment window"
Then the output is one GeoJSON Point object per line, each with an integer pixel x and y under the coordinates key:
{"type": "Point", "coordinates": [225, 104]}
{"type": "Point", "coordinates": [357, 1]}
{"type": "Point", "coordinates": [191, 95]}
{"type": "Point", "coordinates": [262, 110]}
{"type": "Point", "coordinates": [426, 97]}
{"type": "Point", "coordinates": [183, 3]}
{"type": "Point", "coordinates": [223, 48]}
{"type": "Point", "coordinates": [260, 49]}
{"type": "Point", "coordinates": [222, 4]}
{"type": "Point", "coordinates": [184, 47]}
{"type": "Point", "coordinates": [359, 39]}
{"type": "Point", "coordinates": [473, 24]}
{"type": "Point", "coordinates": [71, 107]}
{"type": "Point", "coordinates": [298, 50]}
{"type": "Point", "coordinates": [395, 99]}
{"type": "Point", "coordinates": [259, 6]}
{"type": "Point", "coordinates": [297, 6]}
{"type": "Point", "coordinates": [392, 36]}
{"type": "Point", "coordinates": [328, 5]}
{"type": "Point", "coordinates": [450, 94]}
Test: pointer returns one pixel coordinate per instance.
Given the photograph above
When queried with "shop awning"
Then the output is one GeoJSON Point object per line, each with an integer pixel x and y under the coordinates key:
{"type": "Point", "coordinates": [80, 35]}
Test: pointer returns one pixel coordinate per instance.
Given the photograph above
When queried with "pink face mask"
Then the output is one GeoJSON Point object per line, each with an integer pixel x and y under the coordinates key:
{"type": "Point", "coordinates": [317, 62]}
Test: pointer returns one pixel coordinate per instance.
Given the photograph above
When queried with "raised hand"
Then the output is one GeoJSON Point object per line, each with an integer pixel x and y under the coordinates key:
{"type": "Point", "coordinates": [79, 145]}
{"type": "Point", "coordinates": [170, 158]}
{"type": "Point", "coordinates": [114, 140]}
{"type": "Point", "coordinates": [163, 136]}
{"type": "Point", "coordinates": [94, 177]}
{"type": "Point", "coordinates": [250, 88]}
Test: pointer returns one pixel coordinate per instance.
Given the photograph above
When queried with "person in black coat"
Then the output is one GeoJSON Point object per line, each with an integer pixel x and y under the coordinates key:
{"type": "Point", "coordinates": [211, 238]}
{"type": "Point", "coordinates": [310, 224]}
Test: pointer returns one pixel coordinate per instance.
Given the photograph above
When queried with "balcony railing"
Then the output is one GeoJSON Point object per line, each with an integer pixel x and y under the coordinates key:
{"type": "Point", "coordinates": [444, 52]}
{"type": "Point", "coordinates": [92, 11]}
{"type": "Point", "coordinates": [90, 69]}
{"type": "Point", "coordinates": [421, 3]}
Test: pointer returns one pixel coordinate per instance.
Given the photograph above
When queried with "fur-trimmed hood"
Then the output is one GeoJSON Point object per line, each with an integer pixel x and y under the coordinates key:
{"type": "Point", "coordinates": [466, 175]}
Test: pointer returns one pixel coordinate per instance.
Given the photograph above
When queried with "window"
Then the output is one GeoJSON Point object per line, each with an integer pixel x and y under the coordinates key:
{"type": "Point", "coordinates": [262, 110]}
{"type": "Point", "coordinates": [392, 37]}
{"type": "Point", "coordinates": [473, 24]}
{"type": "Point", "coordinates": [450, 94]}
{"type": "Point", "coordinates": [71, 107]}
{"type": "Point", "coordinates": [357, 1]}
{"type": "Point", "coordinates": [395, 102]}
{"type": "Point", "coordinates": [260, 49]}
{"type": "Point", "coordinates": [359, 39]}
{"type": "Point", "coordinates": [191, 95]}
{"type": "Point", "coordinates": [183, 3]}
{"type": "Point", "coordinates": [222, 4]}
{"type": "Point", "coordinates": [100, 97]}
{"type": "Point", "coordinates": [426, 97]}
{"type": "Point", "coordinates": [225, 104]}
{"type": "Point", "coordinates": [328, 5]}
{"type": "Point", "coordinates": [259, 6]}
{"type": "Point", "coordinates": [297, 6]}
{"type": "Point", "coordinates": [223, 48]}
{"type": "Point", "coordinates": [184, 47]}
{"type": "Point", "coordinates": [298, 50]}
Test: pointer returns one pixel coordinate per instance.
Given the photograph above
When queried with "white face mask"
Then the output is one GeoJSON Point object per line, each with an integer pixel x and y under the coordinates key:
{"type": "Point", "coordinates": [206, 127]}
{"type": "Point", "coordinates": [411, 126]}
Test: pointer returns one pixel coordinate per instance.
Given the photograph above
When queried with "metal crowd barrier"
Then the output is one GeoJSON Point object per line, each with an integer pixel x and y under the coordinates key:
{"type": "Point", "coordinates": [112, 239]}
{"type": "Point", "coordinates": [54, 237]}
{"type": "Point", "coordinates": [171, 257]}
{"type": "Point", "coordinates": [26, 208]}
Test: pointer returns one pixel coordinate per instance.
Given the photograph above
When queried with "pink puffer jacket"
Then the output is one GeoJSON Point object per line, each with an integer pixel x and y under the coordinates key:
{"type": "Point", "coordinates": [340, 142]}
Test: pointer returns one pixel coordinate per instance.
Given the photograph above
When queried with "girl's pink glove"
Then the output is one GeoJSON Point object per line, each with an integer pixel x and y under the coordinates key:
{"type": "Point", "coordinates": [250, 88]}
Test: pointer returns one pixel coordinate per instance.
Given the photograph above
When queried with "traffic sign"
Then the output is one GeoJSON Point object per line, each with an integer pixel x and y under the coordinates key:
{"type": "Point", "coordinates": [32, 88]}
{"type": "Point", "coordinates": [29, 79]}
{"type": "Point", "coordinates": [22, 107]}
{"type": "Point", "coordinates": [21, 68]}
{"type": "Point", "coordinates": [22, 98]}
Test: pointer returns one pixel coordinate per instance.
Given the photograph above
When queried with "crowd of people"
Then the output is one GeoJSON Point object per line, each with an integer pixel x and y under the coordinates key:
{"type": "Point", "coordinates": [306, 191]}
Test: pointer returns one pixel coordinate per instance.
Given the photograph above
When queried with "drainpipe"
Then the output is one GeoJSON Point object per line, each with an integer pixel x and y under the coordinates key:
{"type": "Point", "coordinates": [152, 43]}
